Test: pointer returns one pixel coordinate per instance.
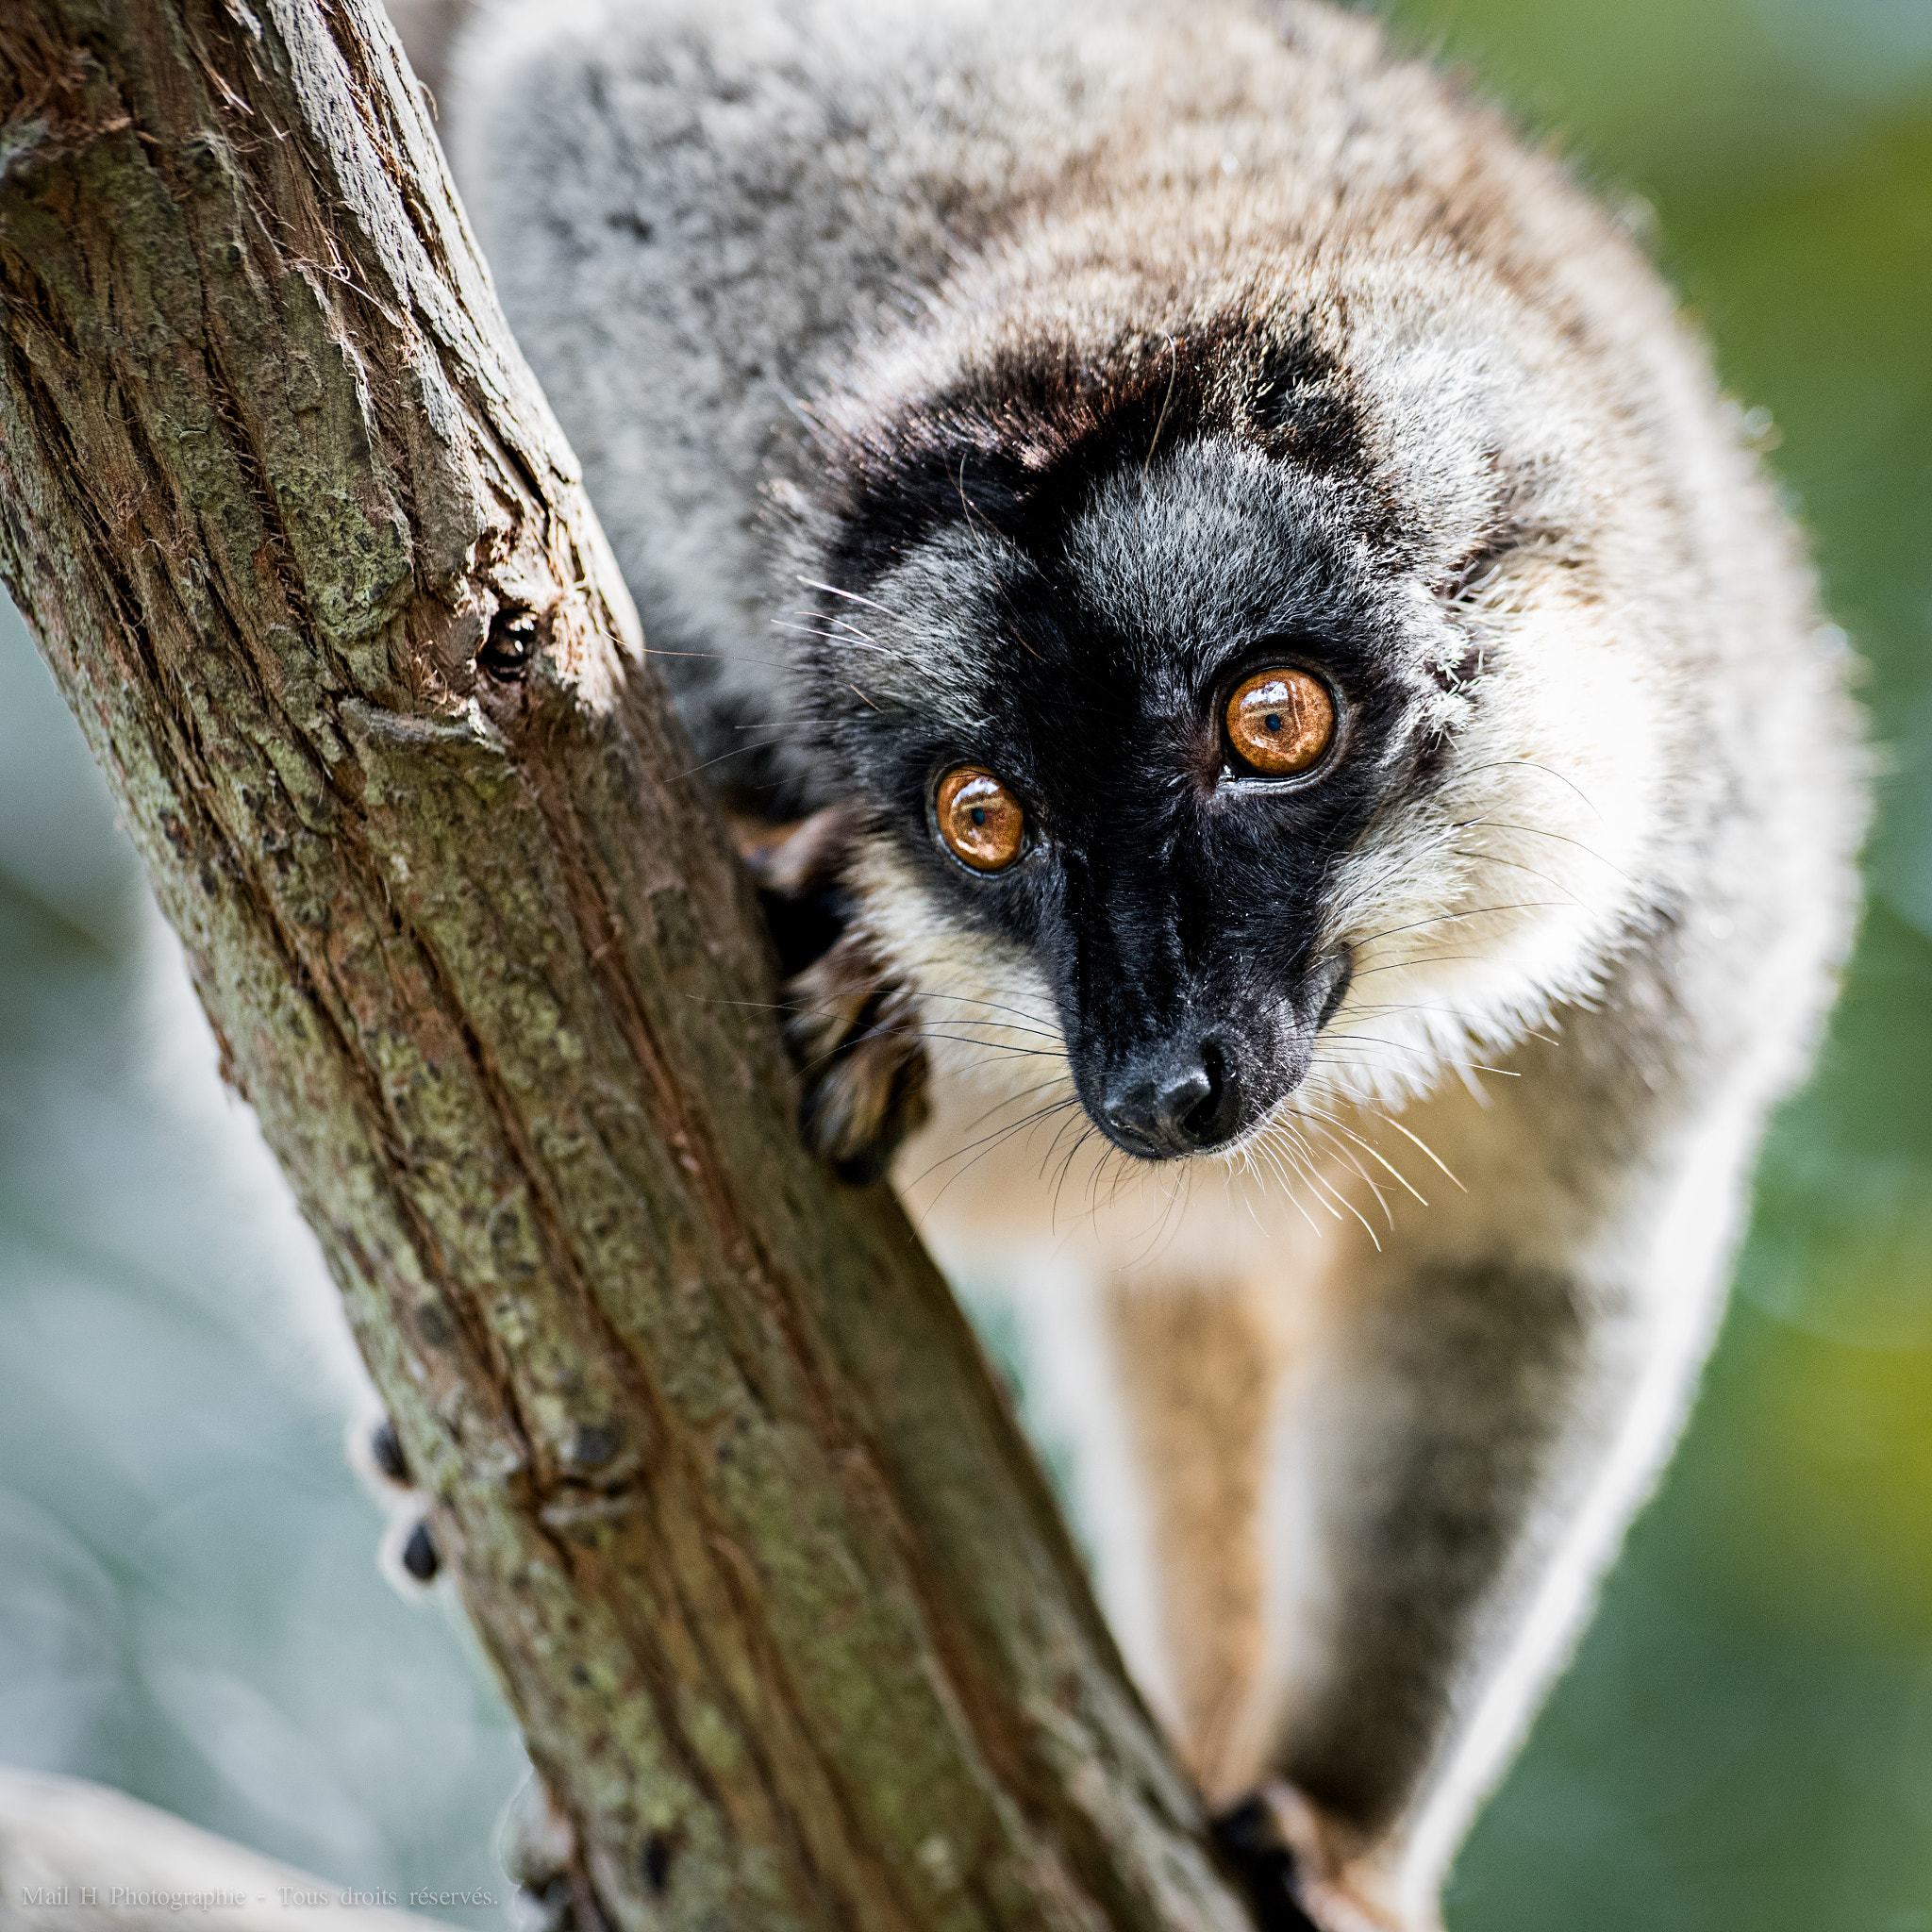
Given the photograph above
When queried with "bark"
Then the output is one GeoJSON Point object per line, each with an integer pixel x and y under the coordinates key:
{"type": "Point", "coordinates": [768, 1578]}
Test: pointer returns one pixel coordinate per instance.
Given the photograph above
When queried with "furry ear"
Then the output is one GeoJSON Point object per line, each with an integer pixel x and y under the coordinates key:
{"type": "Point", "coordinates": [853, 1029]}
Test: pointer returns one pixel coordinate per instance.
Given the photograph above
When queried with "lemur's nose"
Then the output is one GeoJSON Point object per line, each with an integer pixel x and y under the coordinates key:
{"type": "Point", "coordinates": [1180, 1105]}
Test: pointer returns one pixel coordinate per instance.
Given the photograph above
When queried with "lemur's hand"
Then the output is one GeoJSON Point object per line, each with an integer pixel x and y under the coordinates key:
{"type": "Point", "coordinates": [1252, 1841]}
{"type": "Point", "coordinates": [1307, 1871]}
{"type": "Point", "coordinates": [852, 1028]}
{"type": "Point", "coordinates": [408, 1555]}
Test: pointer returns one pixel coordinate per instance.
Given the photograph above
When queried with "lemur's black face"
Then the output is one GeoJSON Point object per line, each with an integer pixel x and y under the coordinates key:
{"type": "Point", "coordinates": [1134, 731]}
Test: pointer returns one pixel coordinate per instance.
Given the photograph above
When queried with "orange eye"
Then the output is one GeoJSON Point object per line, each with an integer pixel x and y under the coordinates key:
{"type": "Point", "coordinates": [980, 819]}
{"type": "Point", "coordinates": [1280, 722]}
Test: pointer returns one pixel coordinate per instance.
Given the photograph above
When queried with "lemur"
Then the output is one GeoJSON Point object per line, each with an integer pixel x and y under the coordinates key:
{"type": "Point", "coordinates": [1324, 814]}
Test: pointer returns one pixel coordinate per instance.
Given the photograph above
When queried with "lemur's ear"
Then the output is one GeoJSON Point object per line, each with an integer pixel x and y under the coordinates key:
{"type": "Point", "coordinates": [853, 1029]}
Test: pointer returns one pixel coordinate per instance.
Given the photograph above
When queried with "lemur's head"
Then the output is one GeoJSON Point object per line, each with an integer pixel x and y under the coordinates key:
{"type": "Point", "coordinates": [1166, 676]}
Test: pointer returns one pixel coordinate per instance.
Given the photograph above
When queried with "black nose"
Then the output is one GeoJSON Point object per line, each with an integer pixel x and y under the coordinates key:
{"type": "Point", "coordinates": [1179, 1104]}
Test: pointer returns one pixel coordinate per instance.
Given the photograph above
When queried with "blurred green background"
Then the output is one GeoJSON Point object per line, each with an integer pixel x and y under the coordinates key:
{"type": "Point", "coordinates": [1745, 1740]}
{"type": "Point", "coordinates": [189, 1605]}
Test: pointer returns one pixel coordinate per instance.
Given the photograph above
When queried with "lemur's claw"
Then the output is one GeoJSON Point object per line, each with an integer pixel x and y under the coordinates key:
{"type": "Point", "coordinates": [375, 1450]}
{"type": "Point", "coordinates": [1249, 1837]}
{"type": "Point", "coordinates": [386, 1454]}
{"type": "Point", "coordinates": [420, 1556]}
{"type": "Point", "coordinates": [852, 1029]}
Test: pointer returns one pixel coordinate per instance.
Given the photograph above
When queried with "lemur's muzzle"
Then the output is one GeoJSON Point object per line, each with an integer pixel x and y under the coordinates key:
{"type": "Point", "coordinates": [1193, 1090]}
{"type": "Point", "coordinates": [1175, 1100]}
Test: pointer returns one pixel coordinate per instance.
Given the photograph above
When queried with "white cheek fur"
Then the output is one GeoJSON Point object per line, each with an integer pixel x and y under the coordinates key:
{"type": "Point", "coordinates": [988, 1016]}
{"type": "Point", "coordinates": [1475, 917]}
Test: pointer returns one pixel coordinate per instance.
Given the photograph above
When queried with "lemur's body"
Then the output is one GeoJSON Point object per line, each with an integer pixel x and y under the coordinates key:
{"type": "Point", "coordinates": [986, 387]}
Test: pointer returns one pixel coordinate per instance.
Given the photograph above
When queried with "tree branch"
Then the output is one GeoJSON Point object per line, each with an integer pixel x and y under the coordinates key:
{"type": "Point", "coordinates": [777, 1591]}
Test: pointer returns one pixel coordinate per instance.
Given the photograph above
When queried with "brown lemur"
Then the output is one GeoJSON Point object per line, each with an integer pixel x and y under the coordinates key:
{"type": "Point", "coordinates": [1326, 814]}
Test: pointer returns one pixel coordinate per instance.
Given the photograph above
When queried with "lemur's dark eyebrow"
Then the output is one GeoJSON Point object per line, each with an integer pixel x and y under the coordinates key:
{"type": "Point", "coordinates": [1022, 444]}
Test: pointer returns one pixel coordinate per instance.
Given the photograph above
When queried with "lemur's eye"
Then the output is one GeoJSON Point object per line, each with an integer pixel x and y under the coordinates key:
{"type": "Point", "coordinates": [1280, 722]}
{"type": "Point", "coordinates": [980, 819]}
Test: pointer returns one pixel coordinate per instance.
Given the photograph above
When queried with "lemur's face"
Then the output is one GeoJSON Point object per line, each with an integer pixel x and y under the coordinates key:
{"type": "Point", "coordinates": [1225, 741]}
{"type": "Point", "coordinates": [1133, 743]}
{"type": "Point", "coordinates": [1139, 755]}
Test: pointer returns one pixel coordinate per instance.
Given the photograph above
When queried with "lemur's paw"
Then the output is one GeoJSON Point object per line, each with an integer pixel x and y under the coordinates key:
{"type": "Point", "coordinates": [853, 1030]}
{"type": "Point", "coordinates": [1250, 1841]}
{"type": "Point", "coordinates": [386, 1453]}
{"type": "Point", "coordinates": [854, 1036]}
{"type": "Point", "coordinates": [375, 1454]}
{"type": "Point", "coordinates": [420, 1556]}
{"type": "Point", "coordinates": [408, 1555]}
{"type": "Point", "coordinates": [1308, 1871]}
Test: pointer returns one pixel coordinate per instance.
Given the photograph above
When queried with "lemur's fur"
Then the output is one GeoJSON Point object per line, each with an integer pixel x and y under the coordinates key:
{"type": "Point", "coordinates": [987, 382]}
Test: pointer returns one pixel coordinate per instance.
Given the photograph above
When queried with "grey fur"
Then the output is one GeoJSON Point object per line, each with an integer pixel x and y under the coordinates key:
{"type": "Point", "coordinates": [757, 251]}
